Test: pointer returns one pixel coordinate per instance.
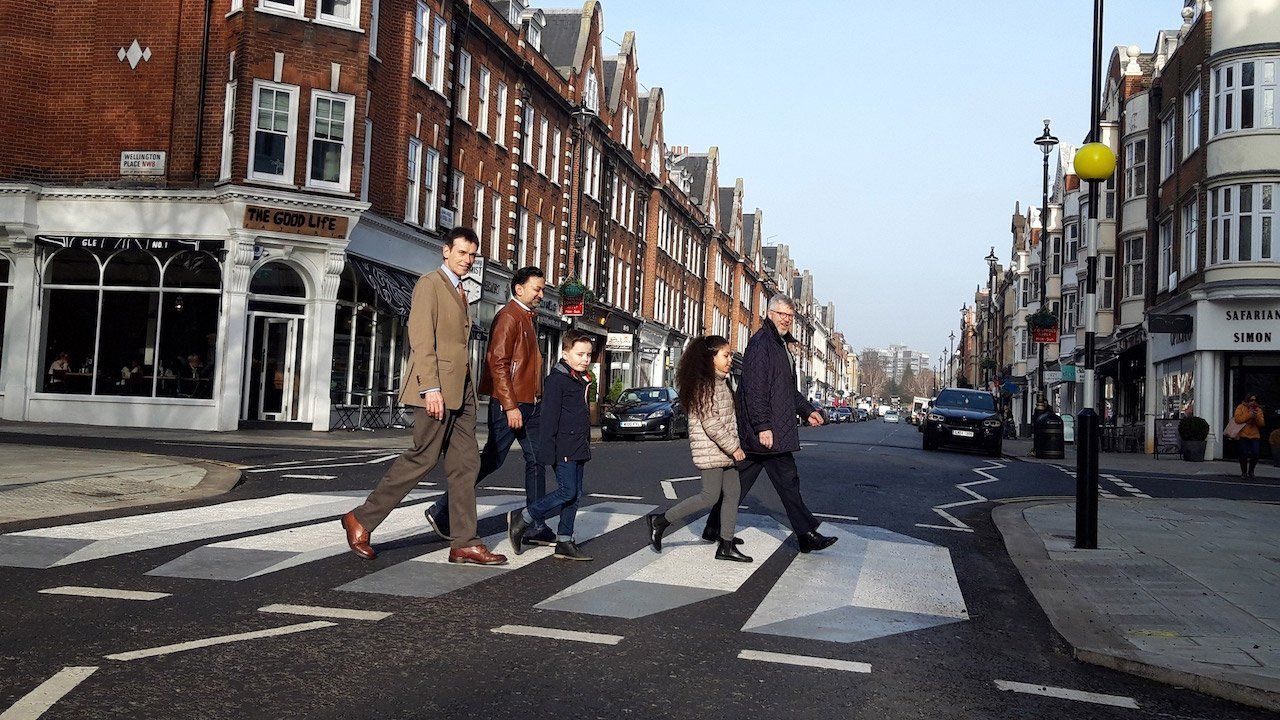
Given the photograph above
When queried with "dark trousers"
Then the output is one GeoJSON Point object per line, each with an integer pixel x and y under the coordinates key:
{"type": "Point", "coordinates": [786, 480]}
{"type": "Point", "coordinates": [562, 501]}
{"type": "Point", "coordinates": [494, 454]}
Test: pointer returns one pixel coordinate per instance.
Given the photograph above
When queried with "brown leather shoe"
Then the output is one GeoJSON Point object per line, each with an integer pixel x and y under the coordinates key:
{"type": "Point", "coordinates": [478, 554]}
{"type": "Point", "coordinates": [357, 537]}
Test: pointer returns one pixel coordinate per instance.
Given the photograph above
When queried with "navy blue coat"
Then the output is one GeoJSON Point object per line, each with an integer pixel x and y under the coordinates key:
{"type": "Point", "coordinates": [565, 427]}
{"type": "Point", "coordinates": [768, 398]}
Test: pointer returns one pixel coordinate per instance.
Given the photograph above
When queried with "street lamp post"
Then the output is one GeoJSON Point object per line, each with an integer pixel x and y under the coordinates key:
{"type": "Point", "coordinates": [951, 359]}
{"type": "Point", "coordinates": [1094, 163]}
{"type": "Point", "coordinates": [991, 313]}
{"type": "Point", "coordinates": [1046, 142]}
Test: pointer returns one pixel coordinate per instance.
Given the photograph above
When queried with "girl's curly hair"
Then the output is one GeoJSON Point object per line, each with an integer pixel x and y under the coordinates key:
{"type": "Point", "coordinates": [696, 377]}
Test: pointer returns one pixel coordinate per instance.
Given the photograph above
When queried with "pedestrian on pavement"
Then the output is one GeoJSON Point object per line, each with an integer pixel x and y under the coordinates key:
{"type": "Point", "coordinates": [768, 407]}
{"type": "Point", "coordinates": [513, 381]}
{"type": "Point", "coordinates": [702, 381]}
{"type": "Point", "coordinates": [437, 383]}
{"type": "Point", "coordinates": [1250, 416]}
{"type": "Point", "coordinates": [564, 440]}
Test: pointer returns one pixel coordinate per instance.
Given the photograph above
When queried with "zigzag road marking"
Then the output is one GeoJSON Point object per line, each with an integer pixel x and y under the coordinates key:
{"type": "Point", "coordinates": [1103, 492]}
{"type": "Point", "coordinates": [1127, 487]}
{"type": "Point", "coordinates": [955, 523]}
{"type": "Point", "coordinates": [432, 575]}
{"type": "Point", "coordinates": [67, 544]}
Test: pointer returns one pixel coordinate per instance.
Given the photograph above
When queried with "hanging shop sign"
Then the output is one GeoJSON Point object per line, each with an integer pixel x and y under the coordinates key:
{"type": "Point", "coordinates": [572, 307]}
{"type": "Point", "coordinates": [295, 222]}
{"type": "Point", "coordinates": [1045, 335]}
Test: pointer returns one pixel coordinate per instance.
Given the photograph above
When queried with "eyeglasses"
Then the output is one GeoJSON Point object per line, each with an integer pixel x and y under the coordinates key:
{"type": "Point", "coordinates": [783, 314]}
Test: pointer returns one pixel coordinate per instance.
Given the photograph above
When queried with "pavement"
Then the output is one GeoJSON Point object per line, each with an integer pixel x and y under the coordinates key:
{"type": "Point", "coordinates": [1142, 462]}
{"type": "Point", "coordinates": [40, 482]}
{"type": "Point", "coordinates": [1180, 591]}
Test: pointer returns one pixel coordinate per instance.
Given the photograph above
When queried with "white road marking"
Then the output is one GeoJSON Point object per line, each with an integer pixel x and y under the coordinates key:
{"type": "Point", "coordinates": [221, 640]}
{"type": "Point", "coordinates": [503, 488]}
{"type": "Point", "coordinates": [326, 612]}
{"type": "Point", "coordinates": [683, 479]}
{"type": "Point", "coordinates": [669, 490]}
{"type": "Point", "coordinates": [616, 497]}
{"type": "Point", "coordinates": [829, 516]}
{"type": "Point", "coordinates": [382, 459]}
{"type": "Point", "coordinates": [286, 463]}
{"type": "Point", "coordinates": [956, 524]}
{"type": "Point", "coordinates": [944, 527]}
{"type": "Point", "coordinates": [104, 593]}
{"type": "Point", "coordinates": [556, 634]}
{"type": "Point", "coordinates": [35, 703]}
{"type": "Point", "coordinates": [1127, 487]}
{"type": "Point", "coordinates": [1066, 694]}
{"type": "Point", "coordinates": [804, 661]}
{"type": "Point", "coordinates": [311, 477]}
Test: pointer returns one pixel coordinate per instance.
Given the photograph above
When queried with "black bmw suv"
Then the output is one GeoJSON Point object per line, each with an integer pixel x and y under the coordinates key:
{"type": "Point", "coordinates": [965, 418]}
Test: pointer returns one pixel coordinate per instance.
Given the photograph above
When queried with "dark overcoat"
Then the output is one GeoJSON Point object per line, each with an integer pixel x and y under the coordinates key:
{"type": "Point", "coordinates": [565, 430]}
{"type": "Point", "coordinates": [768, 398]}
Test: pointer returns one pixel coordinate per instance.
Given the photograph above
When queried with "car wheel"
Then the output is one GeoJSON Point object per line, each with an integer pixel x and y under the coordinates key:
{"type": "Point", "coordinates": [607, 436]}
{"type": "Point", "coordinates": [929, 444]}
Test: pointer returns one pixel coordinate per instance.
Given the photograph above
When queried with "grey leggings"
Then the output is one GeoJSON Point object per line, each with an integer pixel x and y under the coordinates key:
{"type": "Point", "coordinates": [714, 482]}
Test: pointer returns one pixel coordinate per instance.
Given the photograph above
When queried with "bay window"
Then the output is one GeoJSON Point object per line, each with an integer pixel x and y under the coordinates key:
{"type": "Point", "coordinates": [332, 118]}
{"type": "Point", "coordinates": [1241, 222]}
{"type": "Point", "coordinates": [1190, 238]}
{"type": "Point", "coordinates": [412, 173]}
{"type": "Point", "coordinates": [1106, 281]}
{"type": "Point", "coordinates": [271, 154]}
{"type": "Point", "coordinates": [1135, 169]}
{"type": "Point", "coordinates": [1244, 95]}
{"type": "Point", "coordinates": [1134, 266]}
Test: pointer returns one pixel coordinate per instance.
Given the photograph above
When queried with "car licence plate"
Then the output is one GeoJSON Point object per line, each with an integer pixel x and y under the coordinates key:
{"type": "Point", "coordinates": [962, 433]}
{"type": "Point", "coordinates": [632, 423]}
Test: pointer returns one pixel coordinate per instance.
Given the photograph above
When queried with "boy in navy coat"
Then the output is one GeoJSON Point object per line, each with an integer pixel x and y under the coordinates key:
{"type": "Point", "coordinates": [565, 442]}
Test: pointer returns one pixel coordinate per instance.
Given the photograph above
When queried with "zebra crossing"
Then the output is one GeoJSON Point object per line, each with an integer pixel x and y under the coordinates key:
{"type": "Point", "coordinates": [1122, 487]}
{"type": "Point", "coordinates": [873, 583]}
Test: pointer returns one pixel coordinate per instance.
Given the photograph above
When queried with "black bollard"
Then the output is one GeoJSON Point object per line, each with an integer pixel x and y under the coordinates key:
{"type": "Point", "coordinates": [1087, 447]}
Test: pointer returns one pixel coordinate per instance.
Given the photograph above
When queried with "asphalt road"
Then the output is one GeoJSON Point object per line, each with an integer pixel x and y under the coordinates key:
{"type": "Point", "coordinates": [918, 604]}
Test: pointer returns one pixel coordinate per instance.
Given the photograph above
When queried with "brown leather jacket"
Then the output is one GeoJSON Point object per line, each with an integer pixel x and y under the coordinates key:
{"type": "Point", "coordinates": [513, 364]}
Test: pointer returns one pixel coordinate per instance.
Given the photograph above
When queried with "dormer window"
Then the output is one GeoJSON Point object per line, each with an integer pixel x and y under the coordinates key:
{"type": "Point", "coordinates": [591, 92]}
{"type": "Point", "coordinates": [514, 10]}
{"type": "Point", "coordinates": [534, 34]}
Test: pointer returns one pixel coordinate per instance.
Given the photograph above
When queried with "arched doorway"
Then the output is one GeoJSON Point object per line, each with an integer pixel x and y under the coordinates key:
{"type": "Point", "coordinates": [274, 370]}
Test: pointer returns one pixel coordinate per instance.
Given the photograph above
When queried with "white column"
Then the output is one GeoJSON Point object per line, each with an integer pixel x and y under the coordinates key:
{"type": "Point", "coordinates": [319, 352]}
{"type": "Point", "coordinates": [1209, 382]}
{"type": "Point", "coordinates": [1150, 403]}
{"type": "Point", "coordinates": [22, 371]}
{"type": "Point", "coordinates": [233, 323]}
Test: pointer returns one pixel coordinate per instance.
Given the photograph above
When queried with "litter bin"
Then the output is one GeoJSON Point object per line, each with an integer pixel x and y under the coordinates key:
{"type": "Point", "coordinates": [1047, 436]}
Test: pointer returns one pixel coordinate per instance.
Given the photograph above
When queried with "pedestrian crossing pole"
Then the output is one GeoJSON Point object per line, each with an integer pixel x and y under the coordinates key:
{"type": "Point", "coordinates": [1094, 163]}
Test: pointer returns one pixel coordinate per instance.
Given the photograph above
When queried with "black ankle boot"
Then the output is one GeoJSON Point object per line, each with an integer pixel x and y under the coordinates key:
{"type": "Point", "coordinates": [658, 525]}
{"type": "Point", "coordinates": [726, 550]}
{"type": "Point", "coordinates": [812, 541]}
{"type": "Point", "coordinates": [709, 535]}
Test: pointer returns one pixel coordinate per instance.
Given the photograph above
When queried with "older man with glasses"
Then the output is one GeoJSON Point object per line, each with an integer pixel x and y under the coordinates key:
{"type": "Point", "coordinates": [769, 405]}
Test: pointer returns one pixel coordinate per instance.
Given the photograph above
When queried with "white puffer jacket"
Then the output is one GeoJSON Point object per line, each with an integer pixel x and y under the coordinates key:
{"type": "Point", "coordinates": [714, 437]}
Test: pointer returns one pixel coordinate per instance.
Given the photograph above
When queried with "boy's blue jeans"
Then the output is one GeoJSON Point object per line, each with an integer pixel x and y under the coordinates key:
{"type": "Point", "coordinates": [564, 500]}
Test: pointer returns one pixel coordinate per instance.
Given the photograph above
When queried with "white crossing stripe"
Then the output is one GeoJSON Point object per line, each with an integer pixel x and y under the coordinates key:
{"type": "Point", "coordinates": [104, 593]}
{"type": "Point", "coordinates": [834, 517]}
{"type": "Point", "coordinates": [503, 488]}
{"type": "Point", "coordinates": [311, 477]}
{"type": "Point", "coordinates": [669, 490]}
{"type": "Point", "coordinates": [805, 661]}
{"type": "Point", "coordinates": [944, 527]}
{"type": "Point", "coordinates": [557, 634]}
{"type": "Point", "coordinates": [35, 703]}
{"type": "Point", "coordinates": [616, 497]}
{"type": "Point", "coordinates": [1066, 694]}
{"type": "Point", "coordinates": [221, 640]}
{"type": "Point", "coordinates": [326, 612]}
{"type": "Point", "coordinates": [1127, 487]}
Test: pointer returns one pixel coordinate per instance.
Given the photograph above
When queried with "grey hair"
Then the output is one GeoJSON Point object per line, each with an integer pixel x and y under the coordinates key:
{"type": "Point", "coordinates": [780, 300]}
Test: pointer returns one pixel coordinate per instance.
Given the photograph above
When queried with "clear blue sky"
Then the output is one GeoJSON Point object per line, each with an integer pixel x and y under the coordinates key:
{"type": "Point", "coordinates": [886, 142]}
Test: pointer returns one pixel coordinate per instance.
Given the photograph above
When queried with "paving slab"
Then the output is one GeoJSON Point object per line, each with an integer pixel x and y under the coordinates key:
{"type": "Point", "coordinates": [1175, 591]}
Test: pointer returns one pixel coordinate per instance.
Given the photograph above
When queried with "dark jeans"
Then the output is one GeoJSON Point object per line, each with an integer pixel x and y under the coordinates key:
{"type": "Point", "coordinates": [494, 454]}
{"type": "Point", "coordinates": [562, 501]}
{"type": "Point", "coordinates": [786, 480]}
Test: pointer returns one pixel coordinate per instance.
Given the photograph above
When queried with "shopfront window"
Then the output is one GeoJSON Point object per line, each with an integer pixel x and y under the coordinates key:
{"type": "Point", "coordinates": [370, 345]}
{"type": "Point", "coordinates": [130, 322]}
{"type": "Point", "coordinates": [1175, 382]}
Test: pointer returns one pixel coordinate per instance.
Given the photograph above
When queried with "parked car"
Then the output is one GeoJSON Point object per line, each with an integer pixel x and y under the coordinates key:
{"type": "Point", "coordinates": [830, 412]}
{"type": "Point", "coordinates": [964, 418]}
{"type": "Point", "coordinates": [861, 415]}
{"type": "Point", "coordinates": [843, 414]}
{"type": "Point", "coordinates": [640, 412]}
{"type": "Point", "coordinates": [891, 416]}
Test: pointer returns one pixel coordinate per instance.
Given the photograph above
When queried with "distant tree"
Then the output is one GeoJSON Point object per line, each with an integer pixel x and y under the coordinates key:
{"type": "Point", "coordinates": [873, 375]}
{"type": "Point", "coordinates": [922, 384]}
{"type": "Point", "coordinates": [906, 385]}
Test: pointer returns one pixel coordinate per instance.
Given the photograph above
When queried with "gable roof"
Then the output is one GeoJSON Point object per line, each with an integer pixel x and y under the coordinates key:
{"type": "Point", "coordinates": [560, 37]}
{"type": "Point", "coordinates": [748, 234]}
{"type": "Point", "coordinates": [726, 208]}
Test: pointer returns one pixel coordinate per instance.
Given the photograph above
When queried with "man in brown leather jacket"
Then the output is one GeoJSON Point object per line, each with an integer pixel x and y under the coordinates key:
{"type": "Point", "coordinates": [513, 381]}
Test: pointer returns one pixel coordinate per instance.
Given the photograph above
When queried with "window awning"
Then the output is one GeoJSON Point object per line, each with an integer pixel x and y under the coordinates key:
{"type": "Point", "coordinates": [393, 287]}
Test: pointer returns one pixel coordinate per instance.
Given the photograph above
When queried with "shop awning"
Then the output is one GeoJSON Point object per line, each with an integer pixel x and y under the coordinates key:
{"type": "Point", "coordinates": [393, 287]}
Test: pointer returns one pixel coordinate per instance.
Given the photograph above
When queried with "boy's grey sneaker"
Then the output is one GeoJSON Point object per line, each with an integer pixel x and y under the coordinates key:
{"type": "Point", "coordinates": [571, 551]}
{"type": "Point", "coordinates": [545, 537]}
{"type": "Point", "coordinates": [516, 527]}
{"type": "Point", "coordinates": [440, 525]}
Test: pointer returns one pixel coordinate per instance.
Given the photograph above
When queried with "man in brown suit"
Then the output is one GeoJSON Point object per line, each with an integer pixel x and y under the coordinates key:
{"type": "Point", "coordinates": [437, 383]}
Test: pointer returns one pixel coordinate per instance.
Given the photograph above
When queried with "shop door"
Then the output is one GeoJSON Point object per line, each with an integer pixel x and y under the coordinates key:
{"type": "Point", "coordinates": [1263, 382]}
{"type": "Point", "coordinates": [273, 378]}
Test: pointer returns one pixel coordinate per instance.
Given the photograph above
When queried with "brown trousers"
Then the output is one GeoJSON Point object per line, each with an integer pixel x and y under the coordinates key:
{"type": "Point", "coordinates": [454, 440]}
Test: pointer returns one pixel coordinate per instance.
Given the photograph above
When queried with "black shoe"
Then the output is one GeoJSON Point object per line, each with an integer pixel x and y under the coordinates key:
{"type": "Point", "coordinates": [728, 551]}
{"type": "Point", "coordinates": [516, 527]}
{"type": "Point", "coordinates": [658, 525]}
{"type": "Point", "coordinates": [570, 551]}
{"type": "Point", "coordinates": [439, 524]}
{"type": "Point", "coordinates": [812, 541]}
{"type": "Point", "coordinates": [545, 537]}
{"type": "Point", "coordinates": [709, 535]}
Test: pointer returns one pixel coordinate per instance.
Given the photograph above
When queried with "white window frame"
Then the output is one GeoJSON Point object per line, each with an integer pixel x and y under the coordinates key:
{"type": "Point", "coordinates": [291, 138]}
{"type": "Point", "coordinates": [1135, 168]}
{"type": "Point", "coordinates": [351, 23]}
{"type": "Point", "coordinates": [591, 91]}
{"type": "Point", "coordinates": [421, 40]}
{"type": "Point", "coordinates": [1164, 261]}
{"type": "Point", "coordinates": [348, 124]}
{"type": "Point", "coordinates": [522, 237]}
{"type": "Point", "coordinates": [413, 183]}
{"type": "Point", "coordinates": [1168, 143]}
{"type": "Point", "coordinates": [537, 239]}
{"type": "Point", "coordinates": [364, 166]}
{"type": "Point", "coordinates": [1106, 281]}
{"type": "Point", "coordinates": [500, 131]}
{"type": "Point", "coordinates": [1069, 300]}
{"type": "Point", "coordinates": [431, 185]}
{"type": "Point", "coordinates": [477, 214]}
{"type": "Point", "coordinates": [288, 8]}
{"type": "Point", "coordinates": [228, 127]}
{"type": "Point", "coordinates": [463, 80]}
{"type": "Point", "coordinates": [543, 149]}
{"type": "Point", "coordinates": [1073, 244]}
{"type": "Point", "coordinates": [1230, 208]}
{"type": "Point", "coordinates": [1190, 238]}
{"type": "Point", "coordinates": [526, 136]}
{"type": "Point", "coordinates": [1134, 267]}
{"type": "Point", "coordinates": [236, 6]}
{"type": "Point", "coordinates": [557, 139]}
{"type": "Point", "coordinates": [495, 229]}
{"type": "Point", "coordinates": [438, 30]}
{"type": "Point", "coordinates": [549, 269]}
{"type": "Point", "coordinates": [458, 192]}
{"type": "Point", "coordinates": [1229, 93]}
{"type": "Point", "coordinates": [1191, 121]}
{"type": "Point", "coordinates": [482, 104]}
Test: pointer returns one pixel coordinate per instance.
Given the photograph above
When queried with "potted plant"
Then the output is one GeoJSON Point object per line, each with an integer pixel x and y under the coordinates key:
{"type": "Point", "coordinates": [1274, 440]}
{"type": "Point", "coordinates": [988, 363]}
{"type": "Point", "coordinates": [1194, 431]}
{"type": "Point", "coordinates": [1042, 319]}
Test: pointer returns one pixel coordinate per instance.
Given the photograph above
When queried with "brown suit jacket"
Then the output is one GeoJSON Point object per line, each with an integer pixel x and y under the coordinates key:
{"type": "Point", "coordinates": [439, 328]}
{"type": "Point", "coordinates": [513, 372]}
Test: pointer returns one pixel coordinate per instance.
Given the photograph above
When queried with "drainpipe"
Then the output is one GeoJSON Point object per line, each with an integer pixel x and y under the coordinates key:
{"type": "Point", "coordinates": [198, 156]}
